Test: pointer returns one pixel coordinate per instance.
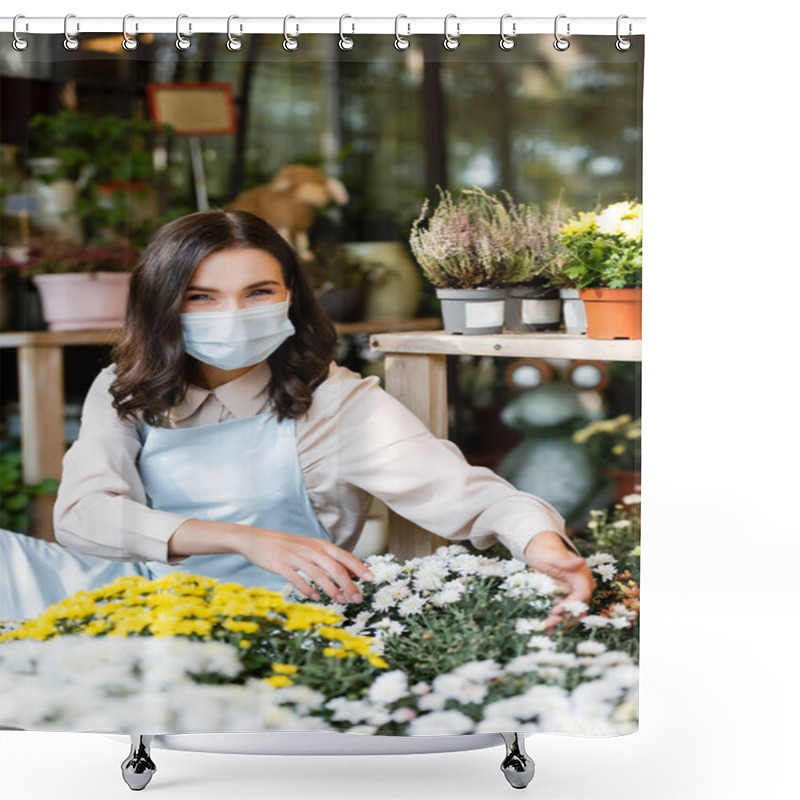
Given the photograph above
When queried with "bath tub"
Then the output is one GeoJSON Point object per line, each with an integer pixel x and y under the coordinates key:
{"type": "Point", "coordinates": [138, 767]}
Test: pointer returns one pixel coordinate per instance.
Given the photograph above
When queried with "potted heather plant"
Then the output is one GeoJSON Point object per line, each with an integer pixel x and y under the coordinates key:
{"type": "Point", "coordinates": [464, 252]}
{"type": "Point", "coordinates": [532, 299]}
{"type": "Point", "coordinates": [82, 287]}
{"type": "Point", "coordinates": [604, 258]}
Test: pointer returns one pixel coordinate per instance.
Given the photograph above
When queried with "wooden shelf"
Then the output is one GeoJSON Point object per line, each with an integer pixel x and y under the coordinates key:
{"type": "Point", "coordinates": [109, 336]}
{"type": "Point", "coordinates": [547, 344]}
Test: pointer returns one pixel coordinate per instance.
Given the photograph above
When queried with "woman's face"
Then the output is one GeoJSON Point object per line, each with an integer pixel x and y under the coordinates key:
{"type": "Point", "coordinates": [235, 279]}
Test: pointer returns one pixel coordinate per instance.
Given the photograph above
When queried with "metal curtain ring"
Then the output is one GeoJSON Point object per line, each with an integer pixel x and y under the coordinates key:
{"type": "Point", "coordinates": [623, 44]}
{"type": "Point", "coordinates": [560, 43]}
{"type": "Point", "coordinates": [289, 42]}
{"type": "Point", "coordinates": [345, 42]}
{"type": "Point", "coordinates": [19, 43]}
{"type": "Point", "coordinates": [129, 42]}
{"type": "Point", "coordinates": [400, 42]}
{"type": "Point", "coordinates": [70, 42]}
{"type": "Point", "coordinates": [451, 42]}
{"type": "Point", "coordinates": [182, 42]}
{"type": "Point", "coordinates": [233, 43]}
{"type": "Point", "coordinates": [507, 42]}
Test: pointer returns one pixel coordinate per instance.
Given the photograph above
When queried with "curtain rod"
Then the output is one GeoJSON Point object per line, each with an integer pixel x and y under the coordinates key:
{"type": "Point", "coordinates": [403, 25]}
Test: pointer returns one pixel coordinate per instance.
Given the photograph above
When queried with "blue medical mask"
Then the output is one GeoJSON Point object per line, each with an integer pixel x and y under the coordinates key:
{"type": "Point", "coordinates": [240, 338]}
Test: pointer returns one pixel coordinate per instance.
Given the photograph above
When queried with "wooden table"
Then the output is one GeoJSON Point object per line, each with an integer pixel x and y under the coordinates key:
{"type": "Point", "coordinates": [40, 367]}
{"type": "Point", "coordinates": [416, 374]}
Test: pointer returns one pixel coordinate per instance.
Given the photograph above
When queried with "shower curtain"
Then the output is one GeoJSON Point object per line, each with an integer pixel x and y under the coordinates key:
{"type": "Point", "coordinates": [346, 145]}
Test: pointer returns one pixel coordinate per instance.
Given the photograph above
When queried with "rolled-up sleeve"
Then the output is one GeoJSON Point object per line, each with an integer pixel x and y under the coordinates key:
{"type": "Point", "coordinates": [381, 447]}
{"type": "Point", "coordinates": [101, 508]}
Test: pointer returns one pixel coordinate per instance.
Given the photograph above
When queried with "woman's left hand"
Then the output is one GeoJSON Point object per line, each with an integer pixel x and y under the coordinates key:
{"type": "Point", "coordinates": [547, 553]}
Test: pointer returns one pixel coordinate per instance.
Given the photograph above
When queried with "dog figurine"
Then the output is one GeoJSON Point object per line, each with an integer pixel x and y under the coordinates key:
{"type": "Point", "coordinates": [290, 202]}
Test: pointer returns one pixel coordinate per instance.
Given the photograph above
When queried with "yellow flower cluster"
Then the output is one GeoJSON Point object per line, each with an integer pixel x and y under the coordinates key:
{"type": "Point", "coordinates": [619, 219]}
{"type": "Point", "coordinates": [179, 605]}
{"type": "Point", "coordinates": [624, 424]}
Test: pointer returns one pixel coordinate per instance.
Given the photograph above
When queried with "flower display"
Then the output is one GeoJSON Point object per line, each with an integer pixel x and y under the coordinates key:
{"type": "Point", "coordinates": [477, 240]}
{"type": "Point", "coordinates": [450, 643]}
{"type": "Point", "coordinates": [604, 247]}
{"type": "Point", "coordinates": [614, 443]}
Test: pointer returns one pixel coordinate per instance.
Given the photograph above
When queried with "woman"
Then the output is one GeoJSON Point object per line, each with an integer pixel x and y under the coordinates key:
{"type": "Point", "coordinates": [223, 440]}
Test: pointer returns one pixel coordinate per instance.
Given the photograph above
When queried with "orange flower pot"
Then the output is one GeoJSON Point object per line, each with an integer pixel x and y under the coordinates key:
{"type": "Point", "coordinates": [612, 313]}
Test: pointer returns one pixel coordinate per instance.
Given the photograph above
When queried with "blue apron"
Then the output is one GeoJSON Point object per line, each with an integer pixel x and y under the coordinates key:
{"type": "Point", "coordinates": [242, 470]}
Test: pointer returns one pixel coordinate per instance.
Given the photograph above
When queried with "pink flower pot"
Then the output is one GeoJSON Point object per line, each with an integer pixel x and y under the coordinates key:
{"type": "Point", "coordinates": [77, 301]}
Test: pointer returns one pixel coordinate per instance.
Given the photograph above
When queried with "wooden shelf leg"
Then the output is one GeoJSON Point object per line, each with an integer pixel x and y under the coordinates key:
{"type": "Point", "coordinates": [419, 382]}
{"type": "Point", "coordinates": [41, 389]}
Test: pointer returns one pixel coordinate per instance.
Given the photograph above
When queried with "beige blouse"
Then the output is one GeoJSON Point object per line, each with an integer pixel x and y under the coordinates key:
{"type": "Point", "coordinates": [355, 441]}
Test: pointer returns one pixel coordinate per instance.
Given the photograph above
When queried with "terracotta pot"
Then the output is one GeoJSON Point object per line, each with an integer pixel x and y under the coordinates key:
{"type": "Point", "coordinates": [625, 482]}
{"type": "Point", "coordinates": [76, 301]}
{"type": "Point", "coordinates": [613, 313]}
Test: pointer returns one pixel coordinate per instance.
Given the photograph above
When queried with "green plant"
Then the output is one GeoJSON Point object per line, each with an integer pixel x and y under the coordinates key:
{"type": "Point", "coordinates": [108, 157]}
{"type": "Point", "coordinates": [15, 493]}
{"type": "Point", "coordinates": [59, 259]}
{"type": "Point", "coordinates": [613, 443]}
{"type": "Point", "coordinates": [604, 247]}
{"type": "Point", "coordinates": [333, 267]}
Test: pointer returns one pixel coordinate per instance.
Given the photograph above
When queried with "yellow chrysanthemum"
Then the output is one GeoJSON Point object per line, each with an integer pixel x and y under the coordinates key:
{"type": "Point", "coordinates": [284, 669]}
{"type": "Point", "coordinates": [279, 681]}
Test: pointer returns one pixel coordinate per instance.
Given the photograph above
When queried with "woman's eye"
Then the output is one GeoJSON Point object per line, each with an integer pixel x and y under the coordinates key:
{"type": "Point", "coordinates": [262, 291]}
{"type": "Point", "coordinates": [197, 297]}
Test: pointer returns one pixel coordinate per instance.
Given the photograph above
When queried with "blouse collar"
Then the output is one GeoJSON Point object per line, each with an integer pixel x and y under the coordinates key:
{"type": "Point", "coordinates": [243, 396]}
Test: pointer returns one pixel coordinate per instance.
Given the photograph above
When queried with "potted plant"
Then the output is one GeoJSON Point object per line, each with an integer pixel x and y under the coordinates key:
{"type": "Point", "coordinates": [92, 176]}
{"type": "Point", "coordinates": [465, 252]}
{"type": "Point", "coordinates": [532, 299]}
{"type": "Point", "coordinates": [616, 446]}
{"type": "Point", "coordinates": [604, 258]}
{"type": "Point", "coordinates": [340, 280]}
{"type": "Point", "coordinates": [15, 494]}
{"type": "Point", "coordinates": [82, 287]}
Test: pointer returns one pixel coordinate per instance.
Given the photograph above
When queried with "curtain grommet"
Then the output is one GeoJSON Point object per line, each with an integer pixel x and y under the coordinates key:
{"type": "Point", "coordinates": [129, 42]}
{"type": "Point", "coordinates": [182, 42]}
{"type": "Point", "coordinates": [450, 41]}
{"type": "Point", "coordinates": [346, 42]}
{"type": "Point", "coordinates": [622, 44]}
{"type": "Point", "coordinates": [289, 42]}
{"type": "Point", "coordinates": [18, 43]}
{"type": "Point", "coordinates": [233, 44]}
{"type": "Point", "coordinates": [71, 42]}
{"type": "Point", "coordinates": [400, 42]}
{"type": "Point", "coordinates": [560, 43]}
{"type": "Point", "coordinates": [507, 40]}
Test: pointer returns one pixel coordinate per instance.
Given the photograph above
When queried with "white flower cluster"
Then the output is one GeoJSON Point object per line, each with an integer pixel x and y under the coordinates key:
{"type": "Point", "coordinates": [131, 684]}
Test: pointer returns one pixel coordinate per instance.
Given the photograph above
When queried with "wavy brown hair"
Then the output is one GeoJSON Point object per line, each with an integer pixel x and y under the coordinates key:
{"type": "Point", "coordinates": [151, 360]}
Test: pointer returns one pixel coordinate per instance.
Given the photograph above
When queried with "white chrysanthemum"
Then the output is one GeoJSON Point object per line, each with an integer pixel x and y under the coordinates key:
{"type": "Point", "coordinates": [492, 568]}
{"type": "Point", "coordinates": [451, 550]}
{"type": "Point", "coordinates": [574, 607]}
{"type": "Point", "coordinates": [430, 577]}
{"type": "Point", "coordinates": [620, 623]}
{"type": "Point", "coordinates": [605, 571]}
{"type": "Point", "coordinates": [632, 499]}
{"type": "Point", "coordinates": [522, 664]}
{"type": "Point", "coordinates": [541, 642]}
{"type": "Point", "coordinates": [528, 625]}
{"type": "Point", "coordinates": [595, 621]}
{"type": "Point", "coordinates": [600, 558]}
{"type": "Point", "coordinates": [465, 564]}
{"type": "Point", "coordinates": [421, 688]}
{"type": "Point", "coordinates": [441, 722]}
{"type": "Point", "coordinates": [411, 605]}
{"type": "Point", "coordinates": [449, 684]}
{"type": "Point", "coordinates": [385, 571]}
{"type": "Point", "coordinates": [484, 670]}
{"type": "Point", "coordinates": [389, 687]}
{"type": "Point", "coordinates": [523, 584]}
{"type": "Point", "coordinates": [621, 523]}
{"type": "Point", "coordinates": [451, 593]}
{"type": "Point", "coordinates": [431, 702]}
{"type": "Point", "coordinates": [390, 626]}
{"type": "Point", "coordinates": [403, 715]}
{"type": "Point", "coordinates": [590, 648]}
{"type": "Point", "coordinates": [345, 710]}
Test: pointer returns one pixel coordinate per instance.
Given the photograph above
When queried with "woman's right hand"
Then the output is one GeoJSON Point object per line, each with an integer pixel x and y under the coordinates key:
{"type": "Point", "coordinates": [328, 565]}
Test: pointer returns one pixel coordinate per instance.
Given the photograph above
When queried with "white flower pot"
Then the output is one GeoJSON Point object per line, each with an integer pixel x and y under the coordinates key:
{"type": "Point", "coordinates": [574, 311]}
{"type": "Point", "coordinates": [530, 308]}
{"type": "Point", "coordinates": [77, 301]}
{"type": "Point", "coordinates": [473, 311]}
